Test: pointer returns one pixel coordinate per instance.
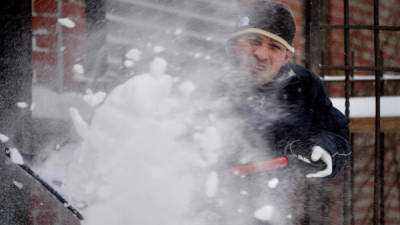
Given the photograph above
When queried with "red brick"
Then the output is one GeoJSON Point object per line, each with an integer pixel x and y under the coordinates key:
{"type": "Point", "coordinates": [336, 10]}
{"type": "Point", "coordinates": [46, 41]}
{"type": "Point", "coordinates": [74, 48]}
{"type": "Point", "coordinates": [67, 218]}
{"type": "Point", "coordinates": [45, 6]}
{"type": "Point", "coordinates": [337, 5]}
{"type": "Point", "coordinates": [71, 58]}
{"type": "Point", "coordinates": [46, 58]}
{"type": "Point", "coordinates": [41, 201]}
{"type": "Point", "coordinates": [46, 75]}
{"type": "Point", "coordinates": [78, 2]}
{"type": "Point", "coordinates": [31, 218]}
{"type": "Point", "coordinates": [46, 218]}
{"type": "Point", "coordinates": [79, 29]}
{"type": "Point", "coordinates": [336, 19]}
{"type": "Point", "coordinates": [73, 10]}
{"type": "Point", "coordinates": [392, 220]}
{"type": "Point", "coordinates": [335, 90]}
{"type": "Point", "coordinates": [41, 22]}
{"type": "Point", "coordinates": [371, 196]}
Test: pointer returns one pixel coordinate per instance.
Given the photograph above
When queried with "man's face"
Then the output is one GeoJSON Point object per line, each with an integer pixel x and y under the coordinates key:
{"type": "Point", "coordinates": [262, 56]}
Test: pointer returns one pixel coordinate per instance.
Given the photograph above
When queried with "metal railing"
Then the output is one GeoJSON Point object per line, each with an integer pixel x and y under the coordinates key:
{"type": "Point", "coordinates": [315, 61]}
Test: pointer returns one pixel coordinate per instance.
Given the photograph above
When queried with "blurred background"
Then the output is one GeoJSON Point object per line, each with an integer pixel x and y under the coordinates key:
{"type": "Point", "coordinates": [52, 52]}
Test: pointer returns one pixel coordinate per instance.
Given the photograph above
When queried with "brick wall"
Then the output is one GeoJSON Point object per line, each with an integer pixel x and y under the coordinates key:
{"type": "Point", "coordinates": [364, 178]}
{"type": "Point", "coordinates": [45, 36]}
{"type": "Point", "coordinates": [299, 42]}
{"type": "Point", "coordinates": [46, 210]}
{"type": "Point", "coordinates": [362, 44]}
{"type": "Point", "coordinates": [362, 41]}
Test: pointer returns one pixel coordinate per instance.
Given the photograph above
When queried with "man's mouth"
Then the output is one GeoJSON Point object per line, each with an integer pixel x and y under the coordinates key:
{"type": "Point", "coordinates": [260, 68]}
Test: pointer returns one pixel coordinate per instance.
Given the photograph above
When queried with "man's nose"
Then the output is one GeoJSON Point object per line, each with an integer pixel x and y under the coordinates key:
{"type": "Point", "coordinates": [261, 53]}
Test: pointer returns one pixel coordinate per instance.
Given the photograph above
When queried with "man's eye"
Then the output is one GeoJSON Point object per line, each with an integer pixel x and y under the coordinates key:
{"type": "Point", "coordinates": [274, 46]}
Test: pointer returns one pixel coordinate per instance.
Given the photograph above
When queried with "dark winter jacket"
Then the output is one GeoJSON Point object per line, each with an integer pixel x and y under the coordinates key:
{"type": "Point", "coordinates": [303, 114]}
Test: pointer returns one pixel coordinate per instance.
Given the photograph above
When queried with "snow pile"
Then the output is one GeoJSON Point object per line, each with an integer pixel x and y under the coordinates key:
{"type": "Point", "coordinates": [145, 154]}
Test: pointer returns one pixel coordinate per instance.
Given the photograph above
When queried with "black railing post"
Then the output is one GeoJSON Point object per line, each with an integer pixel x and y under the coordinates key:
{"type": "Point", "coordinates": [382, 178]}
{"type": "Point", "coordinates": [347, 101]}
{"type": "Point", "coordinates": [352, 199]}
{"type": "Point", "coordinates": [312, 35]}
{"type": "Point", "coordinates": [377, 161]}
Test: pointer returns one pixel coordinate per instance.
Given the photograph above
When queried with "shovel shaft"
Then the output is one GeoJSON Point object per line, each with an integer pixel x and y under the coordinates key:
{"type": "Point", "coordinates": [252, 168]}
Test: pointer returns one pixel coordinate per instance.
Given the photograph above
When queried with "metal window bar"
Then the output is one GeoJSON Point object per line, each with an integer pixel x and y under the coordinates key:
{"type": "Point", "coordinates": [347, 101]}
{"type": "Point", "coordinates": [352, 199]}
{"type": "Point", "coordinates": [378, 68]}
{"type": "Point", "coordinates": [377, 182]}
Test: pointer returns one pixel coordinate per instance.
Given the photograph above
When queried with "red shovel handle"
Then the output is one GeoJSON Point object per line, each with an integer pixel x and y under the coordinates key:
{"type": "Point", "coordinates": [254, 167]}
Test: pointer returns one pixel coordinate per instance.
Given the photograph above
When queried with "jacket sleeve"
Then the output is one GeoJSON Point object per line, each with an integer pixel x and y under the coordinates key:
{"type": "Point", "coordinates": [330, 128]}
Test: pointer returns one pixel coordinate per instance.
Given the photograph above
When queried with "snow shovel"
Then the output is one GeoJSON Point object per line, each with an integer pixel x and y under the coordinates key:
{"type": "Point", "coordinates": [253, 168]}
{"type": "Point", "coordinates": [46, 186]}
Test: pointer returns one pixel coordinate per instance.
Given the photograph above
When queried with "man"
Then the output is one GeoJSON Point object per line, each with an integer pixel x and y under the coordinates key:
{"type": "Point", "coordinates": [309, 127]}
{"type": "Point", "coordinates": [285, 111]}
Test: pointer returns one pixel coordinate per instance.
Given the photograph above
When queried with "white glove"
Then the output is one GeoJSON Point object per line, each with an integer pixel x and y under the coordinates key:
{"type": "Point", "coordinates": [318, 153]}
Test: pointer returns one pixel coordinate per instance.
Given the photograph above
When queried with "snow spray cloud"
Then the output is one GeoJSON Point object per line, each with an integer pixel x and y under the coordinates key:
{"type": "Point", "coordinates": [152, 150]}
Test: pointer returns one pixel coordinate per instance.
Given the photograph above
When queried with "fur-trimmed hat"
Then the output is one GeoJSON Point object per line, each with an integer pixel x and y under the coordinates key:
{"type": "Point", "coordinates": [272, 19]}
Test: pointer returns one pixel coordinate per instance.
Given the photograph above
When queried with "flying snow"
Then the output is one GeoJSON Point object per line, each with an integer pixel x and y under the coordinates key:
{"type": "Point", "coordinates": [134, 54]}
{"type": "Point", "coordinates": [212, 184]}
{"type": "Point", "coordinates": [19, 185]}
{"type": "Point", "coordinates": [178, 31]}
{"type": "Point", "coordinates": [94, 99]}
{"type": "Point", "coordinates": [67, 22]}
{"type": "Point", "coordinates": [22, 105]}
{"type": "Point", "coordinates": [3, 138]}
{"type": "Point", "coordinates": [158, 49]}
{"type": "Point", "coordinates": [78, 69]}
{"type": "Point", "coordinates": [131, 57]}
{"type": "Point", "coordinates": [16, 157]}
{"type": "Point", "coordinates": [143, 153]}
{"type": "Point", "coordinates": [273, 183]}
{"type": "Point", "coordinates": [152, 151]}
{"type": "Point", "coordinates": [265, 213]}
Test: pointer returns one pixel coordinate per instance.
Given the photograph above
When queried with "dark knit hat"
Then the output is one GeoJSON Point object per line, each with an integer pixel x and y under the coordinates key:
{"type": "Point", "coordinates": [272, 19]}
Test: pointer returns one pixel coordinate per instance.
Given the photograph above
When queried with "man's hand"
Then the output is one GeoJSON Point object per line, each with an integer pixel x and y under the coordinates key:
{"type": "Point", "coordinates": [317, 154]}
{"type": "Point", "coordinates": [318, 158]}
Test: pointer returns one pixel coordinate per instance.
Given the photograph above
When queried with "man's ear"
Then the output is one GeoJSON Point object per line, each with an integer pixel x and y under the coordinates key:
{"type": "Point", "coordinates": [289, 56]}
